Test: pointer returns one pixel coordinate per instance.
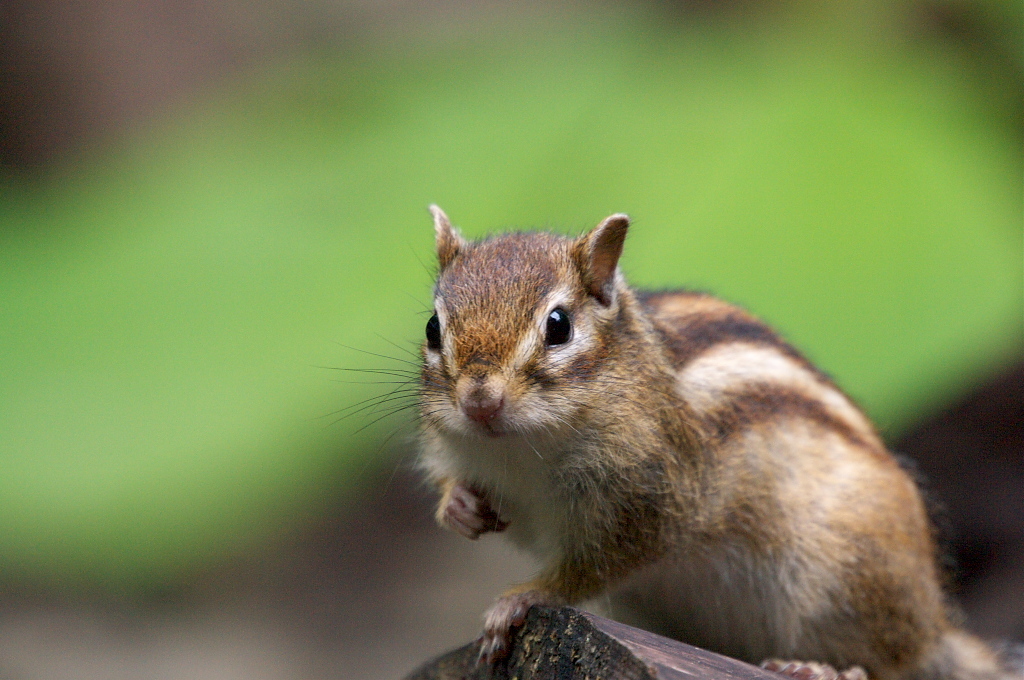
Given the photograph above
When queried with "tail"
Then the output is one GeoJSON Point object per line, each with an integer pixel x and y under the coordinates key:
{"type": "Point", "coordinates": [961, 656]}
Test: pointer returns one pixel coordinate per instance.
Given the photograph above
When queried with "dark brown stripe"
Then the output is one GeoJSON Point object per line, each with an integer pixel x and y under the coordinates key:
{"type": "Point", "coordinates": [696, 334]}
{"type": "Point", "coordinates": [760, 404]}
{"type": "Point", "coordinates": [585, 364]}
{"type": "Point", "coordinates": [687, 336]}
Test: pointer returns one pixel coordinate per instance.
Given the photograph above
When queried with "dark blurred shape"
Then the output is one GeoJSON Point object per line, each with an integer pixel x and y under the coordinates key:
{"type": "Point", "coordinates": [971, 456]}
{"type": "Point", "coordinates": [990, 37]}
{"type": "Point", "coordinates": [36, 95]}
{"type": "Point", "coordinates": [71, 72]}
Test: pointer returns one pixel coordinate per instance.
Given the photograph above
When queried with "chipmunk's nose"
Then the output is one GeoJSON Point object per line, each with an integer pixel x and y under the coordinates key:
{"type": "Point", "coordinates": [483, 408]}
{"type": "Point", "coordinates": [481, 398]}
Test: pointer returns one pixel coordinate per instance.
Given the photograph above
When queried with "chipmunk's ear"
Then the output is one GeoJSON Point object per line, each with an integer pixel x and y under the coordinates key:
{"type": "Point", "coordinates": [448, 238]}
{"type": "Point", "coordinates": [597, 255]}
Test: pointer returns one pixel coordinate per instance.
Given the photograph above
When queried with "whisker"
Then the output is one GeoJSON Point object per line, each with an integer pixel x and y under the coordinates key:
{"type": "Point", "coordinates": [565, 422]}
{"type": "Point", "coordinates": [401, 389]}
{"type": "Point", "coordinates": [380, 418]}
{"type": "Point", "coordinates": [408, 351]}
{"type": "Point", "coordinates": [373, 382]}
{"type": "Point", "coordinates": [431, 271]}
{"type": "Point", "coordinates": [530, 444]}
{"type": "Point", "coordinates": [501, 492]}
{"type": "Point", "coordinates": [393, 372]}
{"type": "Point", "coordinates": [393, 473]}
{"type": "Point", "coordinates": [393, 433]}
{"type": "Point", "coordinates": [589, 388]}
{"type": "Point", "coordinates": [373, 403]}
{"type": "Point", "coordinates": [381, 356]}
{"type": "Point", "coordinates": [385, 413]}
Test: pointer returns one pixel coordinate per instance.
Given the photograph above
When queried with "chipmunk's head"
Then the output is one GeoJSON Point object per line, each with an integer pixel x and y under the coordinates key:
{"type": "Point", "coordinates": [523, 324]}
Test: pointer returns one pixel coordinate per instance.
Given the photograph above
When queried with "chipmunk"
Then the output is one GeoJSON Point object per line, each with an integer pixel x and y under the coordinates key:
{"type": "Point", "coordinates": [671, 450]}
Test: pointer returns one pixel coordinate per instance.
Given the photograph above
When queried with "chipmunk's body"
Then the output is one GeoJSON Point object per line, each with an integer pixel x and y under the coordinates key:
{"type": "Point", "coordinates": [670, 449]}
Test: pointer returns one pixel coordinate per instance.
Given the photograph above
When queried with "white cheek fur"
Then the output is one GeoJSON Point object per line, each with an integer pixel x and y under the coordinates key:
{"type": "Point", "coordinates": [580, 340]}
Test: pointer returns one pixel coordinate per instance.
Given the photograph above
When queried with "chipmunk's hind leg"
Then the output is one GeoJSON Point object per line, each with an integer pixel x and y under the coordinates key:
{"type": "Point", "coordinates": [810, 670]}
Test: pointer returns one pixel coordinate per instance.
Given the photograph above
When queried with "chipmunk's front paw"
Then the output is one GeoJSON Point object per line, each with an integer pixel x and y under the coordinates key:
{"type": "Point", "coordinates": [507, 614]}
{"type": "Point", "coordinates": [809, 670]}
{"type": "Point", "coordinates": [469, 513]}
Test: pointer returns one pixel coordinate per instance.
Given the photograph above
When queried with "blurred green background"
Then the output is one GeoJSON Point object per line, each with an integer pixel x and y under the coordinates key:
{"type": "Point", "coordinates": [171, 298]}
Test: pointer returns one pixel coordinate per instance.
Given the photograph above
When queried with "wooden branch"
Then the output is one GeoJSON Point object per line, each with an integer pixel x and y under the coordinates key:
{"type": "Point", "coordinates": [567, 644]}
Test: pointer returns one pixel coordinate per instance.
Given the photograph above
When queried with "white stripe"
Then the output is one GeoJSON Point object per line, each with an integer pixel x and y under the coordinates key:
{"type": "Point", "coordinates": [707, 380]}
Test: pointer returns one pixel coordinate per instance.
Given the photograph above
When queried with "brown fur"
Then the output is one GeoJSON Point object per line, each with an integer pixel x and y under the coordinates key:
{"type": "Point", "coordinates": [677, 454]}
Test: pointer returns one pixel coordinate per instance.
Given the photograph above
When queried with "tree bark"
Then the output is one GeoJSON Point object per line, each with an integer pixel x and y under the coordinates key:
{"type": "Point", "coordinates": [567, 644]}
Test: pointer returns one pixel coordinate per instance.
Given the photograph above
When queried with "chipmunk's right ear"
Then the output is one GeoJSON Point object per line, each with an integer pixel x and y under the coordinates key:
{"type": "Point", "coordinates": [449, 240]}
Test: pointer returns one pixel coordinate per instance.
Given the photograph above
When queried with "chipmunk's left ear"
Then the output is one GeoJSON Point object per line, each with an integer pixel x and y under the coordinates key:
{"type": "Point", "coordinates": [449, 240]}
{"type": "Point", "coordinates": [597, 255]}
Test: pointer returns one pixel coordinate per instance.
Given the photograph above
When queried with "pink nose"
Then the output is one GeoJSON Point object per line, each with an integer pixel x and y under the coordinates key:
{"type": "Point", "coordinates": [483, 409]}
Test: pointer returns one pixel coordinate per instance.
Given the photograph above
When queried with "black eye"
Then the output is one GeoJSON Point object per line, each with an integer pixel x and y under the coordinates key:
{"type": "Point", "coordinates": [434, 333]}
{"type": "Point", "coordinates": [559, 330]}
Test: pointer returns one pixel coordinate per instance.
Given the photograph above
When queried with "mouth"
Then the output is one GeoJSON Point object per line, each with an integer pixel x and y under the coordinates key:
{"type": "Point", "coordinates": [488, 422]}
{"type": "Point", "coordinates": [490, 428]}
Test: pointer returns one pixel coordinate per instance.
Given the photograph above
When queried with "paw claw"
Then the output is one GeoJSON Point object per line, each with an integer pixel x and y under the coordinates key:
{"type": "Point", "coordinates": [491, 650]}
{"type": "Point", "coordinates": [469, 513]}
{"type": "Point", "coordinates": [508, 613]}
